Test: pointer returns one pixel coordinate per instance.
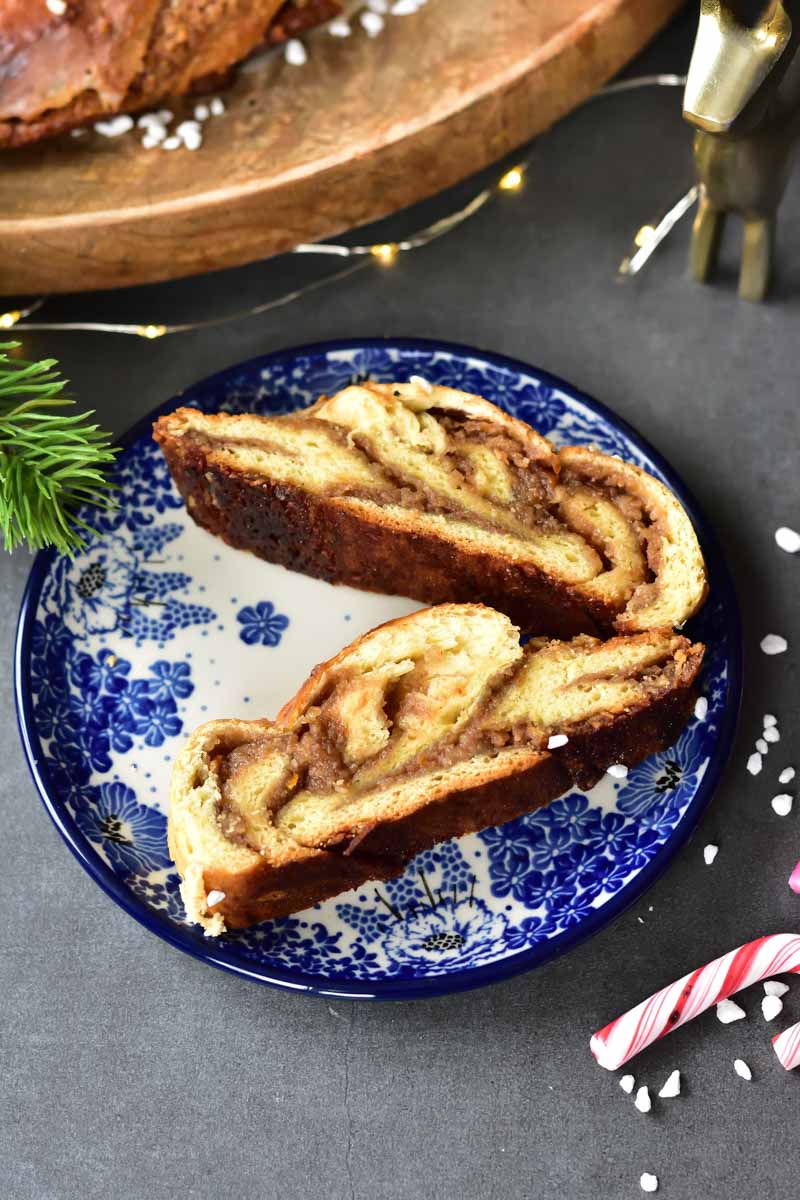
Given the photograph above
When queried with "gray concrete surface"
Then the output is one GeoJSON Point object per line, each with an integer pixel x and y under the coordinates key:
{"type": "Point", "coordinates": [132, 1072]}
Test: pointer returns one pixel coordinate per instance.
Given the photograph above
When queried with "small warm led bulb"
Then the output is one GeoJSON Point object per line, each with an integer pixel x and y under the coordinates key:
{"type": "Point", "coordinates": [644, 236]}
{"type": "Point", "coordinates": [512, 180]}
{"type": "Point", "coordinates": [385, 253]}
{"type": "Point", "coordinates": [9, 319]}
{"type": "Point", "coordinates": [151, 331]}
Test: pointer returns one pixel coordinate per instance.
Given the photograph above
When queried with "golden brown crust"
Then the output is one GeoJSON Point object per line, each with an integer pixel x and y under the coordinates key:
{"type": "Point", "coordinates": [321, 536]}
{"type": "Point", "coordinates": [654, 577]}
{"type": "Point", "coordinates": [289, 873]}
{"type": "Point", "coordinates": [108, 56]}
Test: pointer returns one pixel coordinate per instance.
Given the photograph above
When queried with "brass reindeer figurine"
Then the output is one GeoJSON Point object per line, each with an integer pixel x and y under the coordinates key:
{"type": "Point", "coordinates": [743, 96]}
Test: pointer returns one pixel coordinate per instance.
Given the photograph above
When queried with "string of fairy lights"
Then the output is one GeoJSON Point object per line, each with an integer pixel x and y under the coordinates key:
{"type": "Point", "coordinates": [645, 242]}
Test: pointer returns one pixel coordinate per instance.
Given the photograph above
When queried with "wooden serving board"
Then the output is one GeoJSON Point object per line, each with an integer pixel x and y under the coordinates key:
{"type": "Point", "coordinates": [303, 153]}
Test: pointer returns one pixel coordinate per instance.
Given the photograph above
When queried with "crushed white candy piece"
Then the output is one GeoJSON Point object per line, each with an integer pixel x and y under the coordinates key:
{"type": "Point", "coordinates": [761, 746]}
{"type": "Point", "coordinates": [771, 1007]}
{"type": "Point", "coordinates": [773, 643]}
{"type": "Point", "coordinates": [557, 740]}
{"type": "Point", "coordinates": [648, 1182]}
{"type": "Point", "coordinates": [57, 7]}
{"type": "Point", "coordinates": [775, 987]}
{"type": "Point", "coordinates": [171, 143]}
{"type": "Point", "coordinates": [786, 775]}
{"type": "Point", "coordinates": [672, 1087]}
{"type": "Point", "coordinates": [709, 854]}
{"type": "Point", "coordinates": [77, 132]}
{"type": "Point", "coordinates": [215, 897]}
{"type": "Point", "coordinates": [378, 6]}
{"type": "Point", "coordinates": [193, 139]}
{"type": "Point", "coordinates": [729, 1010]}
{"type": "Point", "coordinates": [741, 1068]}
{"type": "Point", "coordinates": [626, 1083]}
{"type": "Point", "coordinates": [618, 771]}
{"type": "Point", "coordinates": [404, 8]}
{"type": "Point", "coordinates": [187, 127]}
{"type": "Point", "coordinates": [217, 106]}
{"type": "Point", "coordinates": [754, 763]}
{"type": "Point", "coordinates": [295, 53]}
{"type": "Point", "coordinates": [372, 23]}
{"type": "Point", "coordinates": [701, 708]}
{"type": "Point", "coordinates": [165, 115]}
{"type": "Point", "coordinates": [643, 1101]}
{"type": "Point", "coordinates": [201, 112]}
{"type": "Point", "coordinates": [772, 734]}
{"type": "Point", "coordinates": [149, 141]}
{"type": "Point", "coordinates": [339, 27]}
{"type": "Point", "coordinates": [420, 382]}
{"type": "Point", "coordinates": [114, 127]}
{"type": "Point", "coordinates": [769, 719]}
{"type": "Point", "coordinates": [788, 539]}
{"type": "Point", "coordinates": [782, 804]}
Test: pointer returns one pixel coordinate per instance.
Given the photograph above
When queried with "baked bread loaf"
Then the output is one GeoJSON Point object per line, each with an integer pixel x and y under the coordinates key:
{"type": "Point", "coordinates": [59, 69]}
{"type": "Point", "coordinates": [473, 503]}
{"type": "Point", "coordinates": [429, 727]}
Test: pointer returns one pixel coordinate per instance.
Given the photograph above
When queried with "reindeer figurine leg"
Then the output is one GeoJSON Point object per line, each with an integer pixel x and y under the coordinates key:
{"type": "Point", "coordinates": [706, 233]}
{"type": "Point", "coordinates": [757, 248]}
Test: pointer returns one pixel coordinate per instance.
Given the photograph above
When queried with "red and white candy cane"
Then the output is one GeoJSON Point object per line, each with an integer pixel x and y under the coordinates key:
{"type": "Point", "coordinates": [787, 1047]}
{"type": "Point", "coordinates": [673, 1006]}
{"type": "Point", "coordinates": [794, 879]}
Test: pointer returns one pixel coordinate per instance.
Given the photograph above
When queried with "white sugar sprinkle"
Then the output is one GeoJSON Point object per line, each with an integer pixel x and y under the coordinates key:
{"type": "Point", "coordinates": [771, 1006]}
{"type": "Point", "coordinates": [150, 140]}
{"type": "Point", "coordinates": [728, 1011]}
{"type": "Point", "coordinates": [754, 763]}
{"type": "Point", "coordinates": [769, 719]}
{"type": "Point", "coordinates": [761, 746]}
{"type": "Point", "coordinates": [192, 139]}
{"type": "Point", "coordinates": [201, 112]}
{"type": "Point", "coordinates": [701, 708]}
{"type": "Point", "coordinates": [171, 143]}
{"type": "Point", "coordinates": [773, 643]}
{"type": "Point", "coordinates": [782, 804]}
{"type": "Point", "coordinates": [165, 115]}
{"type": "Point", "coordinates": [643, 1101]}
{"type": "Point", "coordinates": [648, 1182]}
{"type": "Point", "coordinates": [339, 27]}
{"type": "Point", "coordinates": [295, 53]}
{"type": "Point", "coordinates": [788, 539]}
{"type": "Point", "coordinates": [372, 22]}
{"type": "Point", "coordinates": [741, 1068]}
{"type": "Point", "coordinates": [772, 734]}
{"type": "Point", "coordinates": [556, 740]}
{"type": "Point", "coordinates": [775, 987]}
{"type": "Point", "coordinates": [618, 771]}
{"type": "Point", "coordinates": [114, 127]}
{"type": "Point", "coordinates": [672, 1087]}
{"type": "Point", "coordinates": [786, 775]}
{"type": "Point", "coordinates": [420, 382]}
{"type": "Point", "coordinates": [378, 6]}
{"type": "Point", "coordinates": [709, 854]}
{"type": "Point", "coordinates": [57, 7]}
{"type": "Point", "coordinates": [626, 1083]}
{"type": "Point", "coordinates": [404, 8]}
{"type": "Point", "coordinates": [187, 126]}
{"type": "Point", "coordinates": [217, 107]}
{"type": "Point", "coordinates": [215, 897]}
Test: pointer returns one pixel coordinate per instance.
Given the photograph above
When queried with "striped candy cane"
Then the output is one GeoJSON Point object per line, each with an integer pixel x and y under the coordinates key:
{"type": "Point", "coordinates": [693, 994]}
{"type": "Point", "coordinates": [787, 1047]}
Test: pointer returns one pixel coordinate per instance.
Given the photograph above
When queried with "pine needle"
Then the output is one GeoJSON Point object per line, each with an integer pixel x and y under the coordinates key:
{"type": "Point", "coordinates": [51, 463]}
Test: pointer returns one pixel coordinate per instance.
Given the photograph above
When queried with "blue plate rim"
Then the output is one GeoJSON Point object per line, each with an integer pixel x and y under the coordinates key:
{"type": "Point", "coordinates": [205, 950]}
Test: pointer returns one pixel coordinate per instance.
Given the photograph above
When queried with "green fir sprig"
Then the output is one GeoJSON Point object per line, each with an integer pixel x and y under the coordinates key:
{"type": "Point", "coordinates": [51, 463]}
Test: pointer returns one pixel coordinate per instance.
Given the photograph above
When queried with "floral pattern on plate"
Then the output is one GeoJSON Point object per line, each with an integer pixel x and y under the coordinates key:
{"type": "Point", "coordinates": [157, 626]}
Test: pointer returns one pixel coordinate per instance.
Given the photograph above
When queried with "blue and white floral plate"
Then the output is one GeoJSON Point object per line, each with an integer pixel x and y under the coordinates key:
{"type": "Point", "coordinates": [158, 626]}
